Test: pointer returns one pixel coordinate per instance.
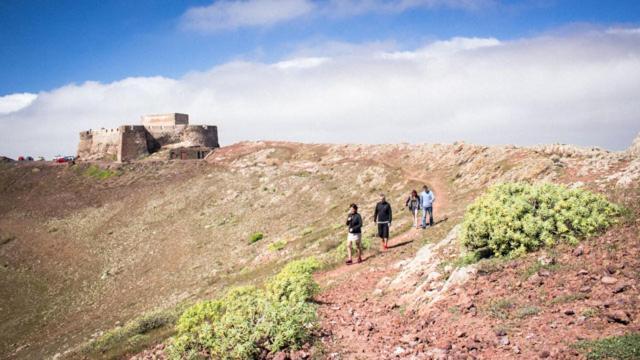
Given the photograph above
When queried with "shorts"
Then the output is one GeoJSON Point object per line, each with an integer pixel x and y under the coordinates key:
{"type": "Point", "coordinates": [353, 238]}
{"type": "Point", "coordinates": [383, 230]}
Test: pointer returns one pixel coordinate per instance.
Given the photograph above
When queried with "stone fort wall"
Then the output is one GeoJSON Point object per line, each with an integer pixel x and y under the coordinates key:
{"type": "Point", "coordinates": [131, 142]}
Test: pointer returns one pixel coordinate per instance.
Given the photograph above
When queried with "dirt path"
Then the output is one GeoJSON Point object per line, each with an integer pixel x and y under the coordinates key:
{"type": "Point", "coordinates": [358, 323]}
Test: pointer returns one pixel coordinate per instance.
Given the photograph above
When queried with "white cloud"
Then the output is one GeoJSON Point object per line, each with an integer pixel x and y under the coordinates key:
{"type": "Point", "coordinates": [232, 14]}
{"type": "Point", "coordinates": [573, 88]}
{"type": "Point", "coordinates": [15, 102]}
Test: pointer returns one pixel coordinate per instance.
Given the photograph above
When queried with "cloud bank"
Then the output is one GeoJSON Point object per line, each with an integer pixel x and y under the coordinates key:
{"type": "Point", "coordinates": [232, 14]}
{"type": "Point", "coordinates": [578, 88]}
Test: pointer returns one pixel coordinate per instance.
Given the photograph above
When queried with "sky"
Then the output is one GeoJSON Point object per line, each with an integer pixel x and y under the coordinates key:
{"type": "Point", "coordinates": [339, 71]}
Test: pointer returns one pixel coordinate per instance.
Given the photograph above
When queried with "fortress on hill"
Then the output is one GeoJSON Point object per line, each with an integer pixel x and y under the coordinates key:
{"type": "Point", "coordinates": [169, 134]}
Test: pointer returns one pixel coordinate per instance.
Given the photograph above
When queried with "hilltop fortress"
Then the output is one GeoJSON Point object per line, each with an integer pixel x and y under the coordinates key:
{"type": "Point", "coordinates": [169, 134]}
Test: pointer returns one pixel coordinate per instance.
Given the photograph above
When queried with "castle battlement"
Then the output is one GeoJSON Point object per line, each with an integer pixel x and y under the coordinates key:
{"type": "Point", "coordinates": [131, 142]}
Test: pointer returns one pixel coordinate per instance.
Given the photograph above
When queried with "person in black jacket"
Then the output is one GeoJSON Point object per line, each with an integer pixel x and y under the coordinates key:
{"type": "Point", "coordinates": [354, 222]}
{"type": "Point", "coordinates": [383, 217]}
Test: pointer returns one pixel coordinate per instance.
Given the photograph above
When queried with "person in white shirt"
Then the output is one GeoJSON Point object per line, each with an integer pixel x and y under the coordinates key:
{"type": "Point", "coordinates": [427, 198]}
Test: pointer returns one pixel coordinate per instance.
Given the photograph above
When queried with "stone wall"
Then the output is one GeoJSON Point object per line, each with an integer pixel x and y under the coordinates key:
{"type": "Point", "coordinates": [183, 136]}
{"type": "Point", "coordinates": [133, 143]}
{"type": "Point", "coordinates": [99, 144]}
{"type": "Point", "coordinates": [165, 119]}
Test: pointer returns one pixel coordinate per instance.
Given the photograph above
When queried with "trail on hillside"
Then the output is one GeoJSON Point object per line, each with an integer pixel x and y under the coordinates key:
{"type": "Point", "coordinates": [357, 322]}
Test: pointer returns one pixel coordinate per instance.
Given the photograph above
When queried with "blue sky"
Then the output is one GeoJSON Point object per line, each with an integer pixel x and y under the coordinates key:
{"type": "Point", "coordinates": [49, 43]}
{"type": "Point", "coordinates": [364, 71]}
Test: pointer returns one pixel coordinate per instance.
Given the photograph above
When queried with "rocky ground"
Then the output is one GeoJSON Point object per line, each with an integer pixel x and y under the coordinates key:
{"type": "Point", "coordinates": [83, 254]}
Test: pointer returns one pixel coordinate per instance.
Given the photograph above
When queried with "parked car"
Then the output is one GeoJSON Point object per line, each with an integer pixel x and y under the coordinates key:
{"type": "Point", "coordinates": [20, 158]}
{"type": "Point", "coordinates": [29, 158]}
{"type": "Point", "coordinates": [40, 158]}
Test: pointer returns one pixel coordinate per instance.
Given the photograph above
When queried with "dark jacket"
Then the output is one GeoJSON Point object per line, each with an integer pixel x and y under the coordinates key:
{"type": "Point", "coordinates": [383, 212]}
{"type": "Point", "coordinates": [354, 222]}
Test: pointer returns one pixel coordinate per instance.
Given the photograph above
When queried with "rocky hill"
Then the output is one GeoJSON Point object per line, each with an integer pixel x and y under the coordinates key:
{"type": "Point", "coordinates": [84, 249]}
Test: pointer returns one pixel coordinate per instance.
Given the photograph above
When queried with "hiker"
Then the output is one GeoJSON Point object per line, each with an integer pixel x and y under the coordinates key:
{"type": "Point", "coordinates": [382, 216]}
{"type": "Point", "coordinates": [426, 202]}
{"type": "Point", "coordinates": [354, 222]}
{"type": "Point", "coordinates": [413, 204]}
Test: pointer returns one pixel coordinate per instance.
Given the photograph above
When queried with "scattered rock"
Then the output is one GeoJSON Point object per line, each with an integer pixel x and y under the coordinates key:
{"type": "Point", "coordinates": [503, 340]}
{"type": "Point", "coordinates": [461, 334]}
{"type": "Point", "coordinates": [585, 289]}
{"type": "Point", "coordinates": [578, 251]}
{"type": "Point", "coordinates": [544, 273]}
{"type": "Point", "coordinates": [516, 349]}
{"type": "Point", "coordinates": [569, 312]}
{"type": "Point", "coordinates": [544, 354]}
{"type": "Point", "coordinates": [620, 288]}
{"type": "Point", "coordinates": [501, 332]}
{"type": "Point", "coordinates": [608, 280]}
{"type": "Point", "coordinates": [583, 272]}
{"type": "Point", "coordinates": [398, 351]}
{"type": "Point", "coordinates": [546, 260]}
{"type": "Point", "coordinates": [619, 317]}
{"type": "Point", "coordinates": [535, 280]}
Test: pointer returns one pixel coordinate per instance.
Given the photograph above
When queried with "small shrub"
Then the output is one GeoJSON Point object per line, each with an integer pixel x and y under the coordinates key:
{"type": "Point", "coordinates": [277, 245]}
{"type": "Point", "coordinates": [563, 299]}
{"type": "Point", "coordinates": [132, 332]}
{"type": "Point", "coordinates": [527, 311]}
{"type": "Point", "coordinates": [255, 237]}
{"type": "Point", "coordinates": [590, 312]}
{"type": "Point", "coordinates": [500, 308]}
{"type": "Point", "coordinates": [625, 347]}
{"type": "Point", "coordinates": [514, 218]}
{"type": "Point", "coordinates": [248, 320]}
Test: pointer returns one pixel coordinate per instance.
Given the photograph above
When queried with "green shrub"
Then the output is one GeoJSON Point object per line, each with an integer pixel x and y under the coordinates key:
{"type": "Point", "coordinates": [514, 218]}
{"type": "Point", "coordinates": [255, 237]}
{"type": "Point", "coordinates": [248, 320]}
{"type": "Point", "coordinates": [277, 245]}
{"type": "Point", "coordinates": [625, 347]}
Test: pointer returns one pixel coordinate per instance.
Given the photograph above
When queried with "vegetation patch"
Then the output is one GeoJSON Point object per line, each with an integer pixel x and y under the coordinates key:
{"type": "Point", "coordinates": [563, 299]}
{"type": "Point", "coordinates": [512, 219]}
{"type": "Point", "coordinates": [98, 173]}
{"type": "Point", "coordinates": [625, 347]}
{"type": "Point", "coordinates": [500, 308]}
{"type": "Point", "coordinates": [255, 237]}
{"type": "Point", "coordinates": [527, 311]}
{"type": "Point", "coordinates": [132, 334]}
{"type": "Point", "coordinates": [277, 245]}
{"type": "Point", "coordinates": [249, 321]}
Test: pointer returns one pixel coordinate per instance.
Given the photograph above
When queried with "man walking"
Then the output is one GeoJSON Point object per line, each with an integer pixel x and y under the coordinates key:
{"type": "Point", "coordinates": [383, 217]}
{"type": "Point", "coordinates": [427, 198]}
{"type": "Point", "coordinates": [354, 222]}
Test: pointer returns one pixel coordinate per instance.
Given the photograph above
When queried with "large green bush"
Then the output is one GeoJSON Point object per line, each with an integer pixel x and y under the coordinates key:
{"type": "Point", "coordinates": [249, 320]}
{"type": "Point", "coordinates": [513, 218]}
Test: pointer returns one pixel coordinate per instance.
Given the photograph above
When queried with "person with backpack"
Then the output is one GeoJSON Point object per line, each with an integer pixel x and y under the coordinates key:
{"type": "Point", "coordinates": [413, 204]}
{"type": "Point", "coordinates": [354, 222]}
{"type": "Point", "coordinates": [383, 217]}
{"type": "Point", "coordinates": [427, 198]}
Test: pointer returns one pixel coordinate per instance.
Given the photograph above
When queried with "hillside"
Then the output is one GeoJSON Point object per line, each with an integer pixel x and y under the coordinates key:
{"type": "Point", "coordinates": [87, 248]}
